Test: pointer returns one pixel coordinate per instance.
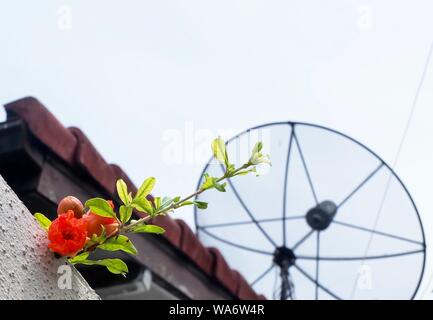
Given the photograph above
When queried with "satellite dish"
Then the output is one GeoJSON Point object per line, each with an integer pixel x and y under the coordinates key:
{"type": "Point", "coordinates": [328, 220]}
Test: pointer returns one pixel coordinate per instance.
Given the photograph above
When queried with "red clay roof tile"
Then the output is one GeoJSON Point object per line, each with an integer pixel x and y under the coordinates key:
{"type": "Point", "coordinates": [194, 249]}
{"type": "Point", "coordinates": [44, 126]}
{"type": "Point", "coordinates": [223, 273]}
{"type": "Point", "coordinates": [89, 159]}
{"type": "Point", "coordinates": [244, 290]}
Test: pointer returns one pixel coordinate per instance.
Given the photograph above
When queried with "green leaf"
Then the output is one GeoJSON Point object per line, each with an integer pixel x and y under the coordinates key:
{"type": "Point", "coordinates": [44, 222]}
{"type": "Point", "coordinates": [81, 257]}
{"type": "Point", "coordinates": [257, 147]}
{"type": "Point", "coordinates": [230, 168]}
{"type": "Point", "coordinates": [148, 228]}
{"type": "Point", "coordinates": [145, 188]}
{"type": "Point", "coordinates": [200, 204]}
{"type": "Point", "coordinates": [122, 191]}
{"type": "Point", "coordinates": [119, 242]}
{"type": "Point", "coordinates": [220, 186]}
{"type": "Point", "coordinates": [100, 207]}
{"type": "Point", "coordinates": [166, 202]}
{"type": "Point", "coordinates": [142, 205]}
{"type": "Point", "coordinates": [245, 172]}
{"type": "Point", "coordinates": [115, 266]}
{"type": "Point", "coordinates": [157, 202]}
{"type": "Point", "coordinates": [186, 203]}
{"type": "Point", "coordinates": [176, 199]}
{"type": "Point", "coordinates": [209, 182]}
{"type": "Point", "coordinates": [219, 151]}
{"type": "Point", "coordinates": [212, 182]}
{"type": "Point", "coordinates": [125, 213]}
{"type": "Point", "coordinates": [257, 157]}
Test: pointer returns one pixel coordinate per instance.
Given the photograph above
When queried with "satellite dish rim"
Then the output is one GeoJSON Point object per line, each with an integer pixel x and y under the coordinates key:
{"type": "Point", "coordinates": [313, 125]}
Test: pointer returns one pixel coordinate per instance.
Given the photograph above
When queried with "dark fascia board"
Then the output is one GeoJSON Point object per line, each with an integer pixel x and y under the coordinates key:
{"type": "Point", "coordinates": [19, 160]}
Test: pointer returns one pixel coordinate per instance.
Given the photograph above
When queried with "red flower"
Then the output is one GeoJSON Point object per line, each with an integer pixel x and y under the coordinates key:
{"type": "Point", "coordinates": [67, 234]}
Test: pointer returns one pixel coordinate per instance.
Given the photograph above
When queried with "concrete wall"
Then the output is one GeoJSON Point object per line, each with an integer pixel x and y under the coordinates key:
{"type": "Point", "coordinates": [28, 270]}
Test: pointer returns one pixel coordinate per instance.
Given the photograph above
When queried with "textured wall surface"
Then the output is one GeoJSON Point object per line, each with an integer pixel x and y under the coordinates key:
{"type": "Point", "coordinates": [28, 270]}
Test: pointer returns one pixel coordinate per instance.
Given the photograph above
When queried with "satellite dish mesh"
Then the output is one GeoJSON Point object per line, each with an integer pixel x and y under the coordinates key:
{"type": "Point", "coordinates": [319, 223]}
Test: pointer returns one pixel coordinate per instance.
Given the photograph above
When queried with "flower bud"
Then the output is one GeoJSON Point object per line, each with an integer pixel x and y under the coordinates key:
{"type": "Point", "coordinates": [71, 203]}
{"type": "Point", "coordinates": [258, 158]}
{"type": "Point", "coordinates": [95, 223]}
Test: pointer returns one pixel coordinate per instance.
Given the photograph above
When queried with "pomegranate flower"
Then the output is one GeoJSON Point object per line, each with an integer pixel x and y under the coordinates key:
{"type": "Point", "coordinates": [67, 234]}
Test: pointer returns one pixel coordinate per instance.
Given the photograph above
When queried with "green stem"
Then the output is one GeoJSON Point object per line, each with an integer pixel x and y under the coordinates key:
{"type": "Point", "coordinates": [178, 204]}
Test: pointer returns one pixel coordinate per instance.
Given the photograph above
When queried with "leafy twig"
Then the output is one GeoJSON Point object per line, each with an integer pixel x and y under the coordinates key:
{"type": "Point", "coordinates": [114, 241]}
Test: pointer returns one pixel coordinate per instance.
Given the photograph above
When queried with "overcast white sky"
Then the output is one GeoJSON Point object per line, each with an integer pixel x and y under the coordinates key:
{"type": "Point", "coordinates": [131, 74]}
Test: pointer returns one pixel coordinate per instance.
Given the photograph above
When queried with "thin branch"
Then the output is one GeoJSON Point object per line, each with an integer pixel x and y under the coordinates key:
{"type": "Point", "coordinates": [180, 202]}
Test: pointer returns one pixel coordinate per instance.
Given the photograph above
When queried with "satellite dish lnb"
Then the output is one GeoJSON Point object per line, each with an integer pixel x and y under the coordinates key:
{"type": "Point", "coordinates": [320, 217]}
{"type": "Point", "coordinates": [329, 220]}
